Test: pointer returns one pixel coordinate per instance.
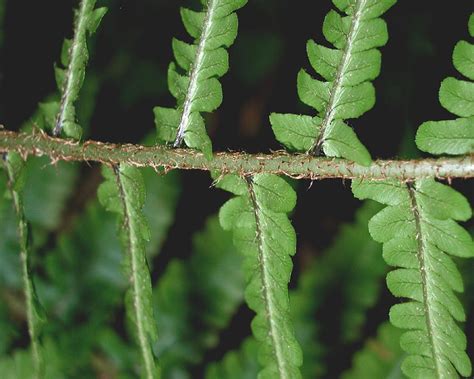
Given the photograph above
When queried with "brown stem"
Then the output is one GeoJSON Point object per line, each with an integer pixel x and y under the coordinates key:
{"type": "Point", "coordinates": [300, 166]}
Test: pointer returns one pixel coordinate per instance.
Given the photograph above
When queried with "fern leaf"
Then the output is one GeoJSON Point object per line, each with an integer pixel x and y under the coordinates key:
{"type": "Point", "coordinates": [86, 266]}
{"type": "Point", "coordinates": [14, 166]}
{"type": "Point", "coordinates": [46, 113]}
{"type": "Point", "coordinates": [74, 57]}
{"type": "Point", "coordinates": [353, 256]}
{"type": "Point", "coordinates": [262, 232]}
{"type": "Point", "coordinates": [347, 91]}
{"type": "Point", "coordinates": [239, 364]}
{"type": "Point", "coordinates": [191, 311]}
{"type": "Point", "coordinates": [123, 193]}
{"type": "Point", "coordinates": [419, 235]}
{"type": "Point", "coordinates": [214, 29]}
{"type": "Point", "coordinates": [457, 96]}
{"type": "Point", "coordinates": [381, 356]}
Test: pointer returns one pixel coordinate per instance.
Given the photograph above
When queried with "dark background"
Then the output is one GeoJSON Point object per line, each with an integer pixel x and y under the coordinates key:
{"type": "Point", "coordinates": [129, 58]}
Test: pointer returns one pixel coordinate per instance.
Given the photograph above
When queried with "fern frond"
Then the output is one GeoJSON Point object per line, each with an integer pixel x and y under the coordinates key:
{"type": "Point", "coordinates": [74, 57]}
{"type": "Point", "coordinates": [195, 299]}
{"type": "Point", "coordinates": [381, 356]}
{"type": "Point", "coordinates": [239, 364]}
{"type": "Point", "coordinates": [46, 113]}
{"type": "Point", "coordinates": [214, 29]}
{"type": "Point", "coordinates": [86, 267]}
{"type": "Point", "coordinates": [419, 235]}
{"type": "Point", "coordinates": [356, 258]}
{"type": "Point", "coordinates": [347, 91]}
{"type": "Point", "coordinates": [123, 193]}
{"type": "Point", "coordinates": [14, 166]}
{"type": "Point", "coordinates": [262, 232]}
{"type": "Point", "coordinates": [457, 96]}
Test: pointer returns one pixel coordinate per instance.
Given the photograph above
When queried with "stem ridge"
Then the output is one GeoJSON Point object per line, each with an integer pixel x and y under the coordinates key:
{"type": "Point", "coordinates": [298, 166]}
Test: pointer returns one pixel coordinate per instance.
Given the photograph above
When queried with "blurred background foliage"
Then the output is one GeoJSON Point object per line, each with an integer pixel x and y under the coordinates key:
{"type": "Point", "coordinates": [338, 294]}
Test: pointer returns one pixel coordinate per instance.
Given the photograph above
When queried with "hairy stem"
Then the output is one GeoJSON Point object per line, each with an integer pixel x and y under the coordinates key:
{"type": "Point", "coordinates": [134, 255]}
{"type": "Point", "coordinates": [28, 287]}
{"type": "Point", "coordinates": [337, 84]}
{"type": "Point", "coordinates": [299, 166]}
{"type": "Point", "coordinates": [74, 74]}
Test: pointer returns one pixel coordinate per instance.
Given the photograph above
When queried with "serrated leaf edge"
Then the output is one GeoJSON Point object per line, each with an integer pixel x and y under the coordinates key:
{"type": "Point", "coordinates": [424, 273]}
{"type": "Point", "coordinates": [428, 125]}
{"type": "Point", "coordinates": [279, 351]}
{"type": "Point", "coordinates": [328, 117]}
{"type": "Point", "coordinates": [72, 77]}
{"type": "Point", "coordinates": [263, 267]}
{"type": "Point", "coordinates": [133, 251]}
{"type": "Point", "coordinates": [402, 203]}
{"type": "Point", "coordinates": [194, 74]}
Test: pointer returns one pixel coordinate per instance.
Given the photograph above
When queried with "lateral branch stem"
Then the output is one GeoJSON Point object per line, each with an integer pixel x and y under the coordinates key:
{"type": "Point", "coordinates": [299, 166]}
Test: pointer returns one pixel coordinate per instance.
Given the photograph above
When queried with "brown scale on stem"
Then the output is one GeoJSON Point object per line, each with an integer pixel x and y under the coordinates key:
{"type": "Point", "coordinates": [299, 166]}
